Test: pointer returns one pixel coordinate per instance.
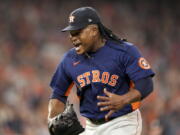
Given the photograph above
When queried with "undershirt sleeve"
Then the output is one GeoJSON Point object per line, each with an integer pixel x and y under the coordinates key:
{"type": "Point", "coordinates": [144, 86]}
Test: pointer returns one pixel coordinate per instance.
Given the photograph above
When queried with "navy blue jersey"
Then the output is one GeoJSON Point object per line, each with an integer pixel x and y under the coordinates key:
{"type": "Point", "coordinates": [114, 66]}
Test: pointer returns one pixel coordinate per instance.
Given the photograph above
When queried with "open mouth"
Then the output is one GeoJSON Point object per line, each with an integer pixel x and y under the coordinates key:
{"type": "Point", "coordinates": [77, 46]}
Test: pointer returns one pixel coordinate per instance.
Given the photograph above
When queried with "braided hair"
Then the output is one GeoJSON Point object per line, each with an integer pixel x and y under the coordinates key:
{"type": "Point", "coordinates": [108, 34]}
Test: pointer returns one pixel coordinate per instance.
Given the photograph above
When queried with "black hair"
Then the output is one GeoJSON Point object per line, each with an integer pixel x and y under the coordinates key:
{"type": "Point", "coordinates": [108, 34]}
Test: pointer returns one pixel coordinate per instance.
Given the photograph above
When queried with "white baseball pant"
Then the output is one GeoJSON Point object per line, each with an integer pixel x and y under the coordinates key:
{"type": "Point", "coordinates": [129, 124]}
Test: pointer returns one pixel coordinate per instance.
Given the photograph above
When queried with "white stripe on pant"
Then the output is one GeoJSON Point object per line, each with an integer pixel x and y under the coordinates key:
{"type": "Point", "coordinates": [129, 124]}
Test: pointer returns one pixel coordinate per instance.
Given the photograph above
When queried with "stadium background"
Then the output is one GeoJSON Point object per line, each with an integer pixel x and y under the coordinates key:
{"type": "Point", "coordinates": [31, 46]}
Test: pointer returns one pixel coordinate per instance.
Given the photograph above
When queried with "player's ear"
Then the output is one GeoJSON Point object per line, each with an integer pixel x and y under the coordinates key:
{"type": "Point", "coordinates": [95, 30]}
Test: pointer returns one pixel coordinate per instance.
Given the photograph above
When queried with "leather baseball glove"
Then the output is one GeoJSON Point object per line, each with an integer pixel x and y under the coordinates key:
{"type": "Point", "coordinates": [65, 123]}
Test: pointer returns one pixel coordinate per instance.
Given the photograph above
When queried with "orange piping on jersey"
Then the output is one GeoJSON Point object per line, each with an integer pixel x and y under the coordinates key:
{"type": "Point", "coordinates": [132, 85]}
{"type": "Point", "coordinates": [134, 105]}
{"type": "Point", "coordinates": [79, 97]}
{"type": "Point", "coordinates": [69, 89]}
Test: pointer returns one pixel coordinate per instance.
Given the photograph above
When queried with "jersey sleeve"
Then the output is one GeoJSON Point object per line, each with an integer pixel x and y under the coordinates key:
{"type": "Point", "coordinates": [61, 82]}
{"type": "Point", "coordinates": [136, 66]}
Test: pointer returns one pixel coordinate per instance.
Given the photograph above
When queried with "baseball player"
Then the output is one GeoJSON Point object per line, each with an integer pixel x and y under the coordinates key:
{"type": "Point", "coordinates": [111, 76]}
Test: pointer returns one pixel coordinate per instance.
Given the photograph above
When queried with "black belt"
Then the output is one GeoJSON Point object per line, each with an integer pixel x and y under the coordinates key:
{"type": "Point", "coordinates": [99, 121]}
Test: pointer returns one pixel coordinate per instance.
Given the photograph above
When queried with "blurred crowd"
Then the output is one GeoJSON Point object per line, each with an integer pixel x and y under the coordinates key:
{"type": "Point", "coordinates": [31, 46]}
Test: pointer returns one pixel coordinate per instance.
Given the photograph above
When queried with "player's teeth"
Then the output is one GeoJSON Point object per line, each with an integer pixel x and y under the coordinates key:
{"type": "Point", "coordinates": [77, 48]}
